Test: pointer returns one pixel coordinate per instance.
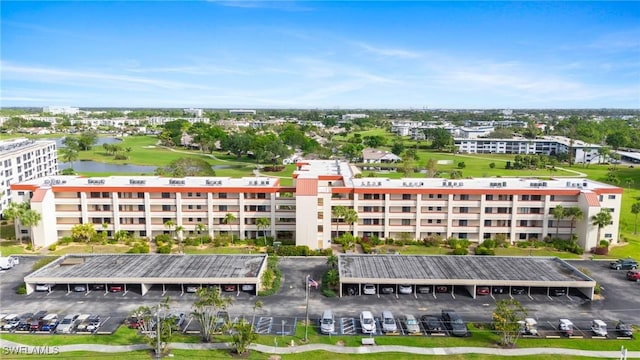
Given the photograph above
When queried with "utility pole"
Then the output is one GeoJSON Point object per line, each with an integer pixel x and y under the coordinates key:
{"type": "Point", "coordinates": [158, 333]}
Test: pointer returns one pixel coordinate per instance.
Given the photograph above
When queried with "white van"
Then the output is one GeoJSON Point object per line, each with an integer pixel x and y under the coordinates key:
{"type": "Point", "coordinates": [7, 262]}
{"type": "Point", "coordinates": [367, 322]}
{"type": "Point", "coordinates": [327, 322]}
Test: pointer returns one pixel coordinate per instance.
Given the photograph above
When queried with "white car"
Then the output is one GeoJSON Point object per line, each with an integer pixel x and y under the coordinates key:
{"type": "Point", "coordinates": [367, 322]}
{"type": "Point", "coordinates": [405, 289]}
{"type": "Point", "coordinates": [43, 287]}
{"type": "Point", "coordinates": [599, 328]}
{"type": "Point", "coordinates": [369, 289]}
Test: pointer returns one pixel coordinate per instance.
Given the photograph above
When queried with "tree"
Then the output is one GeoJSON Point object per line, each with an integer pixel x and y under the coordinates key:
{"type": "Point", "coordinates": [200, 228]}
{"type": "Point", "coordinates": [441, 139]}
{"type": "Point", "coordinates": [186, 166]}
{"type": "Point", "coordinates": [83, 232]}
{"type": "Point", "coordinates": [263, 223]}
{"type": "Point", "coordinates": [432, 168]}
{"type": "Point", "coordinates": [350, 217]}
{"type": "Point", "coordinates": [558, 213]}
{"type": "Point", "coordinates": [179, 230]}
{"type": "Point", "coordinates": [603, 154]}
{"type": "Point", "coordinates": [332, 277]}
{"type": "Point", "coordinates": [243, 336]}
{"type": "Point", "coordinates": [229, 218]}
{"type": "Point", "coordinates": [635, 210]}
{"type": "Point", "coordinates": [86, 140]}
{"type": "Point", "coordinates": [205, 310]}
{"type": "Point", "coordinates": [23, 215]}
{"type": "Point", "coordinates": [69, 155]}
{"type": "Point", "coordinates": [170, 225]}
{"type": "Point", "coordinates": [147, 318]}
{"type": "Point", "coordinates": [338, 212]}
{"type": "Point", "coordinates": [575, 214]}
{"type": "Point", "coordinates": [397, 148]}
{"type": "Point", "coordinates": [505, 320]}
{"type": "Point", "coordinates": [257, 305]}
{"type": "Point", "coordinates": [332, 261]}
{"type": "Point", "coordinates": [601, 219]}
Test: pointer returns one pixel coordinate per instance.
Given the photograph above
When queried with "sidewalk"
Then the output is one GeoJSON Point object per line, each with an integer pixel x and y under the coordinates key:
{"type": "Point", "coordinates": [335, 349]}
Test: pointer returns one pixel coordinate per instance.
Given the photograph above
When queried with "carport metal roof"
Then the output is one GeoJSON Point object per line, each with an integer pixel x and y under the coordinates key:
{"type": "Point", "coordinates": [460, 270]}
{"type": "Point", "coordinates": [152, 269]}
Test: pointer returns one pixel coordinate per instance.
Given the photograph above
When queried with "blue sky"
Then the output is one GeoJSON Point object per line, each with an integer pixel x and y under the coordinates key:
{"type": "Point", "coordinates": [256, 54]}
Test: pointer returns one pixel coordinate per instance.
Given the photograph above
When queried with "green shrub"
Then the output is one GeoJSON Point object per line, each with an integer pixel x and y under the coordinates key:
{"type": "Point", "coordinates": [597, 289]}
{"type": "Point", "coordinates": [4, 222]}
{"type": "Point", "coordinates": [604, 243]}
{"type": "Point", "coordinates": [481, 250]}
{"type": "Point", "coordinates": [140, 248]}
{"type": "Point", "coordinates": [164, 249]}
{"type": "Point", "coordinates": [29, 247]}
{"type": "Point", "coordinates": [460, 251]}
{"type": "Point", "coordinates": [489, 244]}
{"type": "Point", "coordinates": [22, 289]}
{"type": "Point", "coordinates": [53, 247]}
{"type": "Point", "coordinates": [328, 293]}
{"type": "Point", "coordinates": [388, 241]}
{"type": "Point", "coordinates": [272, 271]}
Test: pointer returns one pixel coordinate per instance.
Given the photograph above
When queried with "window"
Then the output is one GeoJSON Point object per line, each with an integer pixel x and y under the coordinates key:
{"type": "Point", "coordinates": [166, 207]}
{"type": "Point", "coordinates": [406, 222]}
{"type": "Point", "coordinates": [430, 221]}
{"type": "Point", "coordinates": [438, 221]}
{"type": "Point", "coordinates": [166, 195]}
{"type": "Point", "coordinates": [406, 196]}
{"type": "Point", "coordinates": [464, 210]}
{"type": "Point", "coordinates": [612, 210]}
{"type": "Point", "coordinates": [464, 197]}
{"type": "Point", "coordinates": [140, 207]}
{"type": "Point", "coordinates": [488, 210]}
{"type": "Point", "coordinates": [222, 195]}
{"type": "Point", "coordinates": [430, 208]}
{"type": "Point", "coordinates": [368, 196]}
{"type": "Point", "coordinates": [430, 196]}
{"type": "Point", "coordinates": [406, 209]}
{"type": "Point", "coordinates": [608, 236]}
{"type": "Point", "coordinates": [223, 207]}
{"type": "Point", "coordinates": [600, 198]}
{"type": "Point", "coordinates": [366, 221]}
{"type": "Point", "coordinates": [462, 236]}
{"type": "Point", "coordinates": [462, 222]}
{"type": "Point", "coordinates": [486, 236]}
{"type": "Point", "coordinates": [523, 222]}
{"type": "Point", "coordinates": [487, 223]}
{"type": "Point", "coordinates": [439, 208]}
{"type": "Point", "coordinates": [612, 197]}
{"type": "Point", "coordinates": [552, 197]}
{"type": "Point", "coordinates": [522, 236]}
{"type": "Point", "coordinates": [524, 197]}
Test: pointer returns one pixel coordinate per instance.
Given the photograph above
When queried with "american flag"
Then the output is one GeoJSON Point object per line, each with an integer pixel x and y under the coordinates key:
{"type": "Point", "coordinates": [313, 283]}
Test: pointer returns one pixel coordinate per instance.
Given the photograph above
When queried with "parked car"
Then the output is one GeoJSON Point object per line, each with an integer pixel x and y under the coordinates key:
{"type": "Point", "coordinates": [454, 323]}
{"type": "Point", "coordinates": [180, 318]}
{"type": "Point", "coordinates": [528, 326]}
{"type": "Point", "coordinates": [388, 322]}
{"type": "Point", "coordinates": [431, 324]}
{"type": "Point", "coordinates": [327, 322]}
{"type": "Point", "coordinates": [499, 290]}
{"type": "Point", "coordinates": [633, 275]}
{"type": "Point", "coordinates": [134, 322]}
{"type": "Point", "coordinates": [115, 288]}
{"type": "Point", "coordinates": [43, 287]}
{"type": "Point", "coordinates": [367, 322]}
{"type": "Point", "coordinates": [483, 290]}
{"type": "Point", "coordinates": [49, 322]}
{"type": "Point", "coordinates": [248, 287]}
{"type": "Point", "coordinates": [623, 329]}
{"type": "Point", "coordinates": [191, 289]}
{"type": "Point", "coordinates": [518, 290]}
{"type": "Point", "coordinates": [558, 292]}
{"type": "Point", "coordinates": [222, 318]}
{"type": "Point", "coordinates": [624, 264]}
{"type": "Point", "coordinates": [36, 320]}
{"type": "Point", "coordinates": [94, 323]}
{"type": "Point", "coordinates": [98, 287]}
{"type": "Point", "coordinates": [229, 288]}
{"type": "Point", "coordinates": [599, 328]}
{"type": "Point", "coordinates": [411, 324]}
{"type": "Point", "coordinates": [67, 325]}
{"type": "Point", "coordinates": [565, 326]}
{"type": "Point", "coordinates": [423, 289]}
{"type": "Point", "coordinates": [80, 288]}
{"type": "Point", "coordinates": [83, 322]}
{"type": "Point", "coordinates": [387, 290]}
{"type": "Point", "coordinates": [10, 322]}
{"type": "Point", "coordinates": [442, 289]}
{"type": "Point", "coordinates": [405, 289]}
{"type": "Point", "coordinates": [369, 289]}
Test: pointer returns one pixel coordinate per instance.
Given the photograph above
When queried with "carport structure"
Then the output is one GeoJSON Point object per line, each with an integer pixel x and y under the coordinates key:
{"type": "Point", "coordinates": [146, 270]}
{"type": "Point", "coordinates": [462, 271]}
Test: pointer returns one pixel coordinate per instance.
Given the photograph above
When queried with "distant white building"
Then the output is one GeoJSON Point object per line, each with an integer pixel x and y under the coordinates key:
{"type": "Point", "coordinates": [354, 116]}
{"type": "Point", "coordinates": [242, 112]}
{"type": "Point", "coordinates": [24, 159]}
{"type": "Point", "coordinates": [61, 110]}
{"type": "Point", "coordinates": [195, 112]}
{"type": "Point", "coordinates": [370, 155]}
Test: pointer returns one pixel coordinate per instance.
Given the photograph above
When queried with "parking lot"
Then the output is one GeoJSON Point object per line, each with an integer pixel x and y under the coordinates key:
{"type": "Point", "coordinates": [285, 310]}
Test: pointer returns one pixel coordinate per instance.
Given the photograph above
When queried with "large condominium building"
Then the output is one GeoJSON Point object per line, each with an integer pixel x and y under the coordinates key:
{"type": "Point", "coordinates": [23, 159]}
{"type": "Point", "coordinates": [474, 209]}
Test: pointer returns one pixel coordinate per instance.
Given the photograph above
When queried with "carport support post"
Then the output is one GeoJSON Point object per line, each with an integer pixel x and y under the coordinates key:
{"type": "Point", "coordinates": [306, 324]}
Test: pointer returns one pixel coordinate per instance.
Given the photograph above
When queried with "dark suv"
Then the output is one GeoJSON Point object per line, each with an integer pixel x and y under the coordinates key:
{"type": "Point", "coordinates": [453, 322]}
{"type": "Point", "coordinates": [624, 264]}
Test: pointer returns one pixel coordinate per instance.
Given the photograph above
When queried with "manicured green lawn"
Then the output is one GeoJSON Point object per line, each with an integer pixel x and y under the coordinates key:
{"type": "Point", "coordinates": [86, 249]}
{"type": "Point", "coordinates": [217, 250]}
{"type": "Point", "coordinates": [122, 336]}
{"type": "Point", "coordinates": [516, 251]}
{"type": "Point", "coordinates": [12, 247]}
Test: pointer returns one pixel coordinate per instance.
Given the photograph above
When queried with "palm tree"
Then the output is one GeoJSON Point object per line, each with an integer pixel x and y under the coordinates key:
{"type": "Point", "coordinates": [179, 230]}
{"type": "Point", "coordinates": [23, 214]}
{"type": "Point", "coordinates": [228, 219]}
{"type": "Point", "coordinates": [332, 261]}
{"type": "Point", "coordinates": [69, 155]}
{"type": "Point", "coordinates": [601, 219]}
{"type": "Point", "coordinates": [351, 217]}
{"type": "Point", "coordinates": [199, 229]}
{"type": "Point", "coordinates": [257, 305]}
{"type": "Point", "coordinates": [332, 278]}
{"type": "Point", "coordinates": [263, 223]}
{"type": "Point", "coordinates": [338, 212]}
{"type": "Point", "coordinates": [170, 224]}
{"type": "Point", "coordinates": [558, 214]}
{"type": "Point", "coordinates": [575, 214]}
{"type": "Point", "coordinates": [635, 210]}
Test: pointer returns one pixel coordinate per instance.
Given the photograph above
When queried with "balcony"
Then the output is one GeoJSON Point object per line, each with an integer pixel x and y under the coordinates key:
{"type": "Point", "coordinates": [465, 216]}
{"type": "Point", "coordinates": [194, 201]}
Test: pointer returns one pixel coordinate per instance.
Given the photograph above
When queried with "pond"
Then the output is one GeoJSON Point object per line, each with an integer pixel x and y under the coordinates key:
{"type": "Point", "coordinates": [101, 140]}
{"type": "Point", "coordinates": [94, 166]}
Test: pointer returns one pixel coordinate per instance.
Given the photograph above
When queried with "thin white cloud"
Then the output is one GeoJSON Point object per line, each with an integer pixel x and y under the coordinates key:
{"type": "Point", "coordinates": [284, 5]}
{"type": "Point", "coordinates": [389, 52]}
{"type": "Point", "coordinates": [190, 70]}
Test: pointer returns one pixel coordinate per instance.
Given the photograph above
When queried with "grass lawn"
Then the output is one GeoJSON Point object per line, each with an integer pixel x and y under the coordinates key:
{"type": "Point", "coordinates": [218, 250]}
{"type": "Point", "coordinates": [122, 336]}
{"type": "Point", "coordinates": [13, 247]}
{"type": "Point", "coordinates": [7, 231]}
{"type": "Point", "coordinates": [516, 251]}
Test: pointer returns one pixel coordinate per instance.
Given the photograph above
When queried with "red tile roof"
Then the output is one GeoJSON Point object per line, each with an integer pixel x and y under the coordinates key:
{"type": "Point", "coordinates": [38, 195]}
{"type": "Point", "coordinates": [592, 199]}
{"type": "Point", "coordinates": [306, 186]}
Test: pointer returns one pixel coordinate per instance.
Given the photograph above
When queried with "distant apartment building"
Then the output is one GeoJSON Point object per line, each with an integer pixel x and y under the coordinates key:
{"type": "Point", "coordinates": [161, 120]}
{"type": "Point", "coordinates": [195, 112]}
{"type": "Point", "coordinates": [474, 209]}
{"type": "Point", "coordinates": [23, 159]}
{"type": "Point", "coordinates": [242, 112]}
{"type": "Point", "coordinates": [349, 117]}
{"type": "Point", "coordinates": [61, 110]}
{"type": "Point", "coordinates": [581, 152]}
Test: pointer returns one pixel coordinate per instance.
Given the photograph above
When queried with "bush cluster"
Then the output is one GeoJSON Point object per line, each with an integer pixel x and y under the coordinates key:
{"type": "Point", "coordinates": [271, 277]}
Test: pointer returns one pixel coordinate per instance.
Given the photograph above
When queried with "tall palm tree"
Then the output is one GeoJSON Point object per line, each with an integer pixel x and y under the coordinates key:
{"type": "Point", "coordinates": [69, 155]}
{"type": "Point", "coordinates": [200, 228]}
{"type": "Point", "coordinates": [575, 214]}
{"type": "Point", "coordinates": [338, 212]}
{"type": "Point", "coordinates": [601, 219]}
{"type": "Point", "coordinates": [332, 277]}
{"type": "Point", "coordinates": [263, 223]}
{"type": "Point", "coordinates": [558, 213]}
{"type": "Point", "coordinates": [635, 210]}
{"type": "Point", "coordinates": [257, 305]}
{"type": "Point", "coordinates": [229, 218]}
{"type": "Point", "coordinates": [24, 215]}
{"type": "Point", "coordinates": [351, 217]}
{"type": "Point", "coordinates": [179, 230]}
{"type": "Point", "coordinates": [170, 225]}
